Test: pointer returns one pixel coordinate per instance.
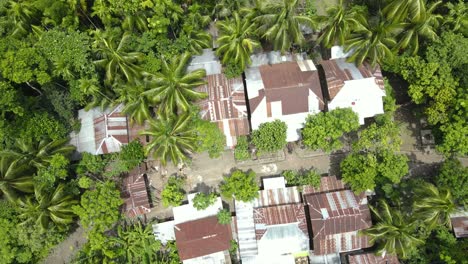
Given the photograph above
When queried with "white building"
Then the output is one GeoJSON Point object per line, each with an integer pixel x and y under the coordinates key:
{"type": "Point", "coordinates": [285, 88]}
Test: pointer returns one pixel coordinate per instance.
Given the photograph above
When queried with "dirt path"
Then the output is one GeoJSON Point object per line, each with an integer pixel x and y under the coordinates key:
{"type": "Point", "coordinates": [64, 252]}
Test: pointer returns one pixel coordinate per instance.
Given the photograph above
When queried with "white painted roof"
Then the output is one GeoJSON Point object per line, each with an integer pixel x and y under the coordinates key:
{"type": "Point", "coordinates": [337, 52]}
{"type": "Point", "coordinates": [164, 231]}
{"type": "Point", "coordinates": [274, 183]}
{"type": "Point", "coordinates": [207, 60]}
{"type": "Point", "coordinates": [187, 212]}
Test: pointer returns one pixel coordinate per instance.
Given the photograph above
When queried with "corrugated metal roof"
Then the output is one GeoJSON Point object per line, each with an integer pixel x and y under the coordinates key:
{"type": "Point", "coordinates": [336, 218]}
{"type": "Point", "coordinates": [329, 183]}
{"type": "Point", "coordinates": [460, 226]}
{"type": "Point", "coordinates": [202, 237]}
{"type": "Point", "coordinates": [338, 71]}
{"type": "Point", "coordinates": [135, 194]}
{"type": "Point", "coordinates": [225, 105]}
{"type": "Point", "coordinates": [371, 258]}
{"type": "Point", "coordinates": [279, 215]}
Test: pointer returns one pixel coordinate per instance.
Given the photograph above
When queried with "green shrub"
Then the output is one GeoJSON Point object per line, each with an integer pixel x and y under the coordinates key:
{"type": "Point", "coordinates": [202, 201]}
{"type": "Point", "coordinates": [270, 136]}
{"type": "Point", "coordinates": [241, 152]}
{"type": "Point", "coordinates": [224, 217]}
{"type": "Point", "coordinates": [173, 194]}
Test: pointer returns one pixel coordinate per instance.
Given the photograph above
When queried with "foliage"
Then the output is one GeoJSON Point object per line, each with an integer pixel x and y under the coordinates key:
{"type": "Point", "coordinates": [14, 177]}
{"type": "Point", "coordinates": [270, 136]}
{"type": "Point", "coordinates": [232, 70]}
{"type": "Point", "coordinates": [172, 88]}
{"type": "Point", "coordinates": [236, 42]}
{"type": "Point", "coordinates": [364, 171]}
{"type": "Point", "coordinates": [393, 233]}
{"type": "Point", "coordinates": [339, 22]}
{"type": "Point", "coordinates": [441, 247]}
{"type": "Point", "coordinates": [132, 155]}
{"type": "Point", "coordinates": [374, 41]}
{"type": "Point", "coordinates": [240, 185]}
{"type": "Point", "coordinates": [172, 138]}
{"type": "Point", "coordinates": [38, 154]}
{"type": "Point", "coordinates": [58, 169]}
{"type": "Point", "coordinates": [324, 130]}
{"type": "Point", "coordinates": [99, 208]}
{"type": "Point", "coordinates": [91, 164]}
{"type": "Point", "coordinates": [224, 217]}
{"type": "Point", "coordinates": [304, 177]}
{"type": "Point", "coordinates": [241, 151]}
{"type": "Point", "coordinates": [280, 24]}
{"type": "Point", "coordinates": [41, 125]}
{"type": "Point", "coordinates": [210, 138]}
{"type": "Point", "coordinates": [45, 208]}
{"type": "Point", "coordinates": [454, 177]}
{"type": "Point", "coordinates": [433, 206]}
{"type": "Point", "coordinates": [201, 201]}
{"type": "Point", "coordinates": [173, 193]}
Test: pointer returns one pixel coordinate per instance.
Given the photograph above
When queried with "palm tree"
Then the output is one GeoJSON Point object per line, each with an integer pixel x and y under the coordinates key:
{"type": "Point", "coordinates": [43, 207]}
{"type": "Point", "coordinates": [197, 40]}
{"type": "Point", "coordinates": [173, 87]}
{"type": "Point", "coordinates": [434, 205]}
{"type": "Point", "coordinates": [393, 233]}
{"type": "Point", "coordinates": [424, 27]}
{"type": "Point", "coordinates": [138, 242]}
{"type": "Point", "coordinates": [225, 8]}
{"type": "Point", "coordinates": [399, 10]}
{"type": "Point", "coordinates": [21, 14]}
{"type": "Point", "coordinates": [236, 42]}
{"type": "Point", "coordinates": [374, 41]}
{"type": "Point", "coordinates": [14, 177]}
{"type": "Point", "coordinates": [115, 59]}
{"type": "Point", "coordinates": [339, 22]}
{"type": "Point", "coordinates": [458, 17]}
{"type": "Point", "coordinates": [172, 138]}
{"type": "Point", "coordinates": [136, 106]}
{"type": "Point", "coordinates": [280, 24]}
{"type": "Point", "coordinates": [38, 154]}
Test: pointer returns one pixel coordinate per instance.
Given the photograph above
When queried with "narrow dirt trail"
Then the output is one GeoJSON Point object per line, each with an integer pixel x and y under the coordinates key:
{"type": "Point", "coordinates": [64, 252]}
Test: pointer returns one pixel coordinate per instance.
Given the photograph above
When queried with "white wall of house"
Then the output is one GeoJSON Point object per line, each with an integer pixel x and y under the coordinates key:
{"type": "Point", "coordinates": [364, 96]}
{"type": "Point", "coordinates": [295, 122]}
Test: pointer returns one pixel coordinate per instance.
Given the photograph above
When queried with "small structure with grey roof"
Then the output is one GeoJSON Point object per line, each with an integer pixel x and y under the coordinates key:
{"type": "Point", "coordinates": [336, 216]}
{"type": "Point", "coordinates": [104, 131]}
{"type": "Point", "coordinates": [225, 105]}
{"type": "Point", "coordinates": [360, 88]}
{"type": "Point", "coordinates": [200, 239]}
{"type": "Point", "coordinates": [459, 221]}
{"type": "Point", "coordinates": [284, 87]}
{"type": "Point", "coordinates": [273, 227]}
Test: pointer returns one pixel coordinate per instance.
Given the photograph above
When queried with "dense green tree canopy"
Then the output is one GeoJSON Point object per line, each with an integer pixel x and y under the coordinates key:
{"type": "Point", "coordinates": [324, 130]}
{"type": "Point", "coordinates": [270, 136]}
{"type": "Point", "coordinates": [240, 185]}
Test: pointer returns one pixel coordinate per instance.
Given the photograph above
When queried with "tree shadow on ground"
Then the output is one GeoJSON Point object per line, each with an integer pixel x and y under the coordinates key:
{"type": "Point", "coordinates": [335, 160]}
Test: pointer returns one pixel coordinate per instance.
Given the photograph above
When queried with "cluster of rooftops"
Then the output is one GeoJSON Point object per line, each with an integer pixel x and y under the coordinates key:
{"type": "Point", "coordinates": [282, 225]}
{"type": "Point", "coordinates": [287, 87]}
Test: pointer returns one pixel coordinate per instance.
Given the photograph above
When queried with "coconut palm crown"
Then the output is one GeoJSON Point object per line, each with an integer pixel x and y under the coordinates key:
{"type": "Point", "coordinates": [173, 87]}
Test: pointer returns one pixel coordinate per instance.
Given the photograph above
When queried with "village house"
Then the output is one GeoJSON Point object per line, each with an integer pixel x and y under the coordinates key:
{"type": "Point", "coordinates": [225, 104]}
{"type": "Point", "coordinates": [284, 87]}
{"type": "Point", "coordinates": [361, 88]}
{"type": "Point", "coordinates": [199, 237]}
{"type": "Point", "coordinates": [337, 215]}
{"type": "Point", "coordinates": [104, 131]}
{"type": "Point", "coordinates": [135, 193]}
{"type": "Point", "coordinates": [273, 227]}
